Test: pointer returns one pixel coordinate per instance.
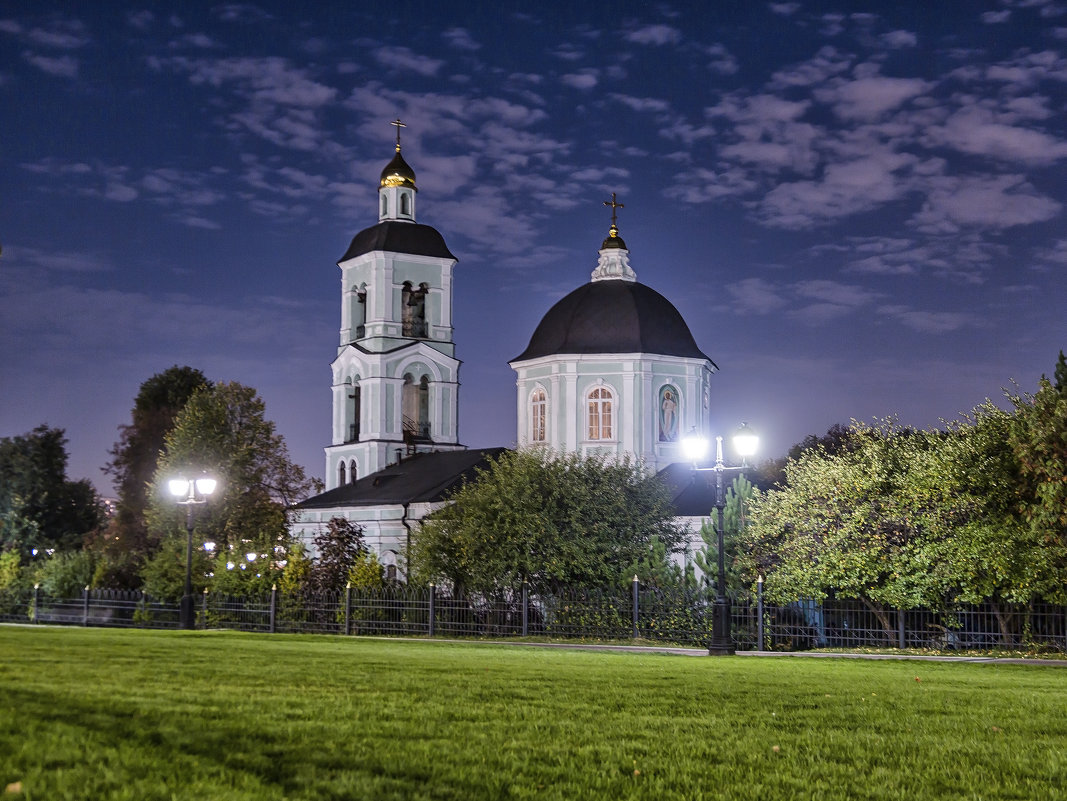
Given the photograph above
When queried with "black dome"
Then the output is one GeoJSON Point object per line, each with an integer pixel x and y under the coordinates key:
{"type": "Point", "coordinates": [612, 317]}
{"type": "Point", "coordinates": [398, 237]}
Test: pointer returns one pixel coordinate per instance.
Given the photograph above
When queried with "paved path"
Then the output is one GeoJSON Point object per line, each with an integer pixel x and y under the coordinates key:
{"type": "Point", "coordinates": [673, 651]}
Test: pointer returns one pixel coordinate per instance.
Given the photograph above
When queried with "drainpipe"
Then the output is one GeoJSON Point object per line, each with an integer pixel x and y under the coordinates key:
{"type": "Point", "coordinates": [404, 521]}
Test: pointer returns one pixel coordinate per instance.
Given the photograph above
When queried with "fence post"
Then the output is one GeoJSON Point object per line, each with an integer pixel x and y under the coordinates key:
{"type": "Point", "coordinates": [36, 603]}
{"type": "Point", "coordinates": [759, 613]}
{"type": "Point", "coordinates": [273, 605]}
{"type": "Point", "coordinates": [634, 586]}
{"type": "Point", "coordinates": [348, 608]}
{"type": "Point", "coordinates": [85, 606]}
{"type": "Point", "coordinates": [433, 593]}
{"type": "Point", "coordinates": [203, 610]}
{"type": "Point", "coordinates": [525, 608]}
{"type": "Point", "coordinates": [902, 641]}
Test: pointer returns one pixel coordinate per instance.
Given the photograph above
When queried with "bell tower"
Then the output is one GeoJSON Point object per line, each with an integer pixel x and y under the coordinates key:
{"type": "Point", "coordinates": [395, 377]}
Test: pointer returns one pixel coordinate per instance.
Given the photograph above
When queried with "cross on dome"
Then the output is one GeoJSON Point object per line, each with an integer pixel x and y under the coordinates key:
{"type": "Point", "coordinates": [614, 240]}
{"type": "Point", "coordinates": [400, 125]}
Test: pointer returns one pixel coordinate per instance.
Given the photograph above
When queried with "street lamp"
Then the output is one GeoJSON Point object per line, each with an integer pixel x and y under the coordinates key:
{"type": "Point", "coordinates": [745, 442]}
{"type": "Point", "coordinates": [189, 493]}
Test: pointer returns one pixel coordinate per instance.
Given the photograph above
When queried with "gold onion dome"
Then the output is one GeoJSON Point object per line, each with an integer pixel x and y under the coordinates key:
{"type": "Point", "coordinates": [398, 173]}
{"type": "Point", "coordinates": [613, 240]}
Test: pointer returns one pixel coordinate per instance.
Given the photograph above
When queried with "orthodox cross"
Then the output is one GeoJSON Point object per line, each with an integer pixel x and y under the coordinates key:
{"type": "Point", "coordinates": [398, 125]}
{"type": "Point", "coordinates": [614, 206]}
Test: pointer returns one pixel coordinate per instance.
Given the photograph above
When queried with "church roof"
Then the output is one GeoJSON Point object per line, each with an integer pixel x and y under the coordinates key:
{"type": "Point", "coordinates": [422, 478]}
{"type": "Point", "coordinates": [612, 317]}
{"type": "Point", "coordinates": [692, 495]}
{"type": "Point", "coordinates": [397, 236]}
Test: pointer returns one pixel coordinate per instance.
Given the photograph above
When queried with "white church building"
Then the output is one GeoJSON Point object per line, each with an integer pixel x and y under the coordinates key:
{"type": "Point", "coordinates": [611, 368]}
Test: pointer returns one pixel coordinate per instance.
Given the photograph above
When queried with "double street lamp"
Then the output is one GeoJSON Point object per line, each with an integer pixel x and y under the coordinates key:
{"type": "Point", "coordinates": [745, 442]}
{"type": "Point", "coordinates": [190, 493]}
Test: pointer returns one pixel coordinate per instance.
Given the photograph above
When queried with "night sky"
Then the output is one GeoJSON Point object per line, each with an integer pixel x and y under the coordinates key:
{"type": "Point", "coordinates": [859, 214]}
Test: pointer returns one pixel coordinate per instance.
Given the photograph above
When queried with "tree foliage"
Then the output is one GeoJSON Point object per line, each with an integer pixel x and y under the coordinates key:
{"type": "Point", "coordinates": [738, 502]}
{"type": "Point", "coordinates": [338, 549]}
{"type": "Point", "coordinates": [124, 545]}
{"type": "Point", "coordinates": [39, 507]}
{"type": "Point", "coordinates": [222, 431]}
{"type": "Point", "coordinates": [903, 519]}
{"type": "Point", "coordinates": [554, 520]}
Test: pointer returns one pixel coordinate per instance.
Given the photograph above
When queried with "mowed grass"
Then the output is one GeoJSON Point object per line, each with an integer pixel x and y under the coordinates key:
{"type": "Point", "coordinates": [99, 714]}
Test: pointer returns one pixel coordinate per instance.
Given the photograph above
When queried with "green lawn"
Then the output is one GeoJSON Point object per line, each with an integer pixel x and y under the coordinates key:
{"type": "Point", "coordinates": [99, 714]}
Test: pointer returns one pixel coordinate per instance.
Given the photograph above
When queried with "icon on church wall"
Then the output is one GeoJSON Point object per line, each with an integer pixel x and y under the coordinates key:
{"type": "Point", "coordinates": [668, 414]}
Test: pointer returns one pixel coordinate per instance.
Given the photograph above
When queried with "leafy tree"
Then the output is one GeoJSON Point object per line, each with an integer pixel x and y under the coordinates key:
{"type": "Point", "coordinates": [1038, 439]}
{"type": "Point", "coordinates": [366, 573]}
{"type": "Point", "coordinates": [554, 520]}
{"type": "Point", "coordinates": [904, 519]}
{"type": "Point", "coordinates": [222, 431]}
{"type": "Point", "coordinates": [66, 574]}
{"type": "Point", "coordinates": [338, 548]}
{"type": "Point", "coordinates": [39, 507]}
{"type": "Point", "coordinates": [772, 473]}
{"type": "Point", "coordinates": [125, 544]}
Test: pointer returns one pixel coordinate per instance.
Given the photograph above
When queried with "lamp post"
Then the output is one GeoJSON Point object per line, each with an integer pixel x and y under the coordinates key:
{"type": "Point", "coordinates": [745, 443]}
{"type": "Point", "coordinates": [189, 493]}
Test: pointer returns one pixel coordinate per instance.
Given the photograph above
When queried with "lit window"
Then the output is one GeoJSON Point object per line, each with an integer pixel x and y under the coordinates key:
{"type": "Point", "coordinates": [600, 414]}
{"type": "Point", "coordinates": [538, 407]}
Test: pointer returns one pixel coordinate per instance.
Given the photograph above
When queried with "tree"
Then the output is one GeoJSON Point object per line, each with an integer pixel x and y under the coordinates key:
{"type": "Point", "coordinates": [39, 507]}
{"type": "Point", "coordinates": [124, 545]}
{"type": "Point", "coordinates": [338, 549]}
{"type": "Point", "coordinates": [903, 519]}
{"type": "Point", "coordinates": [1038, 439]}
{"type": "Point", "coordinates": [554, 520]}
{"type": "Point", "coordinates": [222, 431]}
{"type": "Point", "coordinates": [738, 499]}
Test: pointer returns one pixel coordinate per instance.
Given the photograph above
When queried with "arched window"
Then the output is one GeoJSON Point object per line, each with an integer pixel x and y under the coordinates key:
{"type": "Point", "coordinates": [538, 415]}
{"type": "Point", "coordinates": [341, 475]}
{"type": "Point", "coordinates": [600, 414]}
{"type": "Point", "coordinates": [353, 427]}
{"type": "Point", "coordinates": [405, 204]}
{"type": "Point", "coordinates": [352, 472]}
{"type": "Point", "coordinates": [416, 408]}
{"type": "Point", "coordinates": [385, 205]}
{"type": "Point", "coordinates": [413, 310]}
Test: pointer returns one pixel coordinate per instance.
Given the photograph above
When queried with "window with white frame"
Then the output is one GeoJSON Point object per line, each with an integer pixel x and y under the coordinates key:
{"type": "Point", "coordinates": [599, 405]}
{"type": "Point", "coordinates": [538, 415]}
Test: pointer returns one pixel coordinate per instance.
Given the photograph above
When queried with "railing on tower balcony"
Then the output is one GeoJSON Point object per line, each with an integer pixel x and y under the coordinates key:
{"type": "Point", "coordinates": [416, 431]}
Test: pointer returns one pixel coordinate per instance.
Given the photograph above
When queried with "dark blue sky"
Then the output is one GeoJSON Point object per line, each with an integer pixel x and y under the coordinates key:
{"type": "Point", "coordinates": [859, 215]}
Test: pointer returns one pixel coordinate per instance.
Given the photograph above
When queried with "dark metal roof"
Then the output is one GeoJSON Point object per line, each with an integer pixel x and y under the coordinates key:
{"type": "Point", "coordinates": [612, 317]}
{"type": "Point", "coordinates": [422, 478]}
{"type": "Point", "coordinates": [692, 493]}
{"type": "Point", "coordinates": [396, 236]}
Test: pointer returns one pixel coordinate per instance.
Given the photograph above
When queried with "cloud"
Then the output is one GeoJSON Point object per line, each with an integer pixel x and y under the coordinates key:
{"type": "Point", "coordinates": [142, 20]}
{"type": "Point", "coordinates": [977, 131]}
{"type": "Point", "coordinates": [59, 66]}
{"type": "Point", "coordinates": [845, 188]}
{"type": "Point", "coordinates": [869, 98]}
{"type": "Point", "coordinates": [62, 34]}
{"type": "Point", "coordinates": [59, 261]}
{"type": "Point", "coordinates": [995, 17]}
{"type": "Point", "coordinates": [991, 201]}
{"type": "Point", "coordinates": [1054, 254]}
{"type": "Point", "coordinates": [928, 322]}
{"type": "Point", "coordinates": [653, 104]}
{"type": "Point", "coordinates": [785, 9]}
{"type": "Point", "coordinates": [654, 35]}
{"type": "Point", "coordinates": [240, 12]}
{"type": "Point", "coordinates": [755, 296]}
{"type": "Point", "coordinates": [899, 39]}
{"type": "Point", "coordinates": [584, 80]}
{"type": "Point", "coordinates": [825, 64]}
{"type": "Point", "coordinates": [460, 39]}
{"type": "Point", "coordinates": [402, 58]}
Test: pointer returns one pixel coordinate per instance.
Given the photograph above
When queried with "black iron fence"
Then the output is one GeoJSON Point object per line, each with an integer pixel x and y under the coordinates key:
{"type": "Point", "coordinates": [646, 614]}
